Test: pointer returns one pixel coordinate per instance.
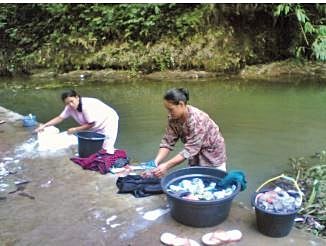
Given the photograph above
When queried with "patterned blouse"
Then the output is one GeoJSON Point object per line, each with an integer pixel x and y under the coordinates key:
{"type": "Point", "coordinates": [203, 142]}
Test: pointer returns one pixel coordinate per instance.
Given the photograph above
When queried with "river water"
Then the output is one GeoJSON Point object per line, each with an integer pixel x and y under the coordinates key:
{"type": "Point", "coordinates": [263, 123]}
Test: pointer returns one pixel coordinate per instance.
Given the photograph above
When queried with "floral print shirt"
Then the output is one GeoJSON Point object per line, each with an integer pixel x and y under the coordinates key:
{"type": "Point", "coordinates": [203, 141]}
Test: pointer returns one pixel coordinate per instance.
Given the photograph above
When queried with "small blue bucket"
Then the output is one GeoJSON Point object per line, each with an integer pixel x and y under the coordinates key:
{"type": "Point", "coordinates": [29, 120]}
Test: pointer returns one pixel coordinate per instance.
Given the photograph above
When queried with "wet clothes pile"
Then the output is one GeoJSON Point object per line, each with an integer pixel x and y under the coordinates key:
{"type": "Point", "coordinates": [200, 189]}
{"type": "Point", "coordinates": [102, 161]}
{"type": "Point", "coordinates": [139, 186]}
{"type": "Point", "coordinates": [279, 200]}
{"type": "Point", "coordinates": [205, 189]}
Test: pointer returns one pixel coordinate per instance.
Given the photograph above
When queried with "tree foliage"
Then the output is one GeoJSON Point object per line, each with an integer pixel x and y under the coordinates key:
{"type": "Point", "coordinates": [58, 35]}
{"type": "Point", "coordinates": [310, 20]}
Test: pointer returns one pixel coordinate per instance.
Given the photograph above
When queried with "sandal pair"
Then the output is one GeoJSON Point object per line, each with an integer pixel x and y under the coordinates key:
{"type": "Point", "coordinates": [173, 240]}
{"type": "Point", "coordinates": [218, 237]}
{"type": "Point", "coordinates": [221, 237]}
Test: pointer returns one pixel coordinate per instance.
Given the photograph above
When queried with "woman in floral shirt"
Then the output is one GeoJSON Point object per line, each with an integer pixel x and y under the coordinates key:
{"type": "Point", "coordinates": [203, 141]}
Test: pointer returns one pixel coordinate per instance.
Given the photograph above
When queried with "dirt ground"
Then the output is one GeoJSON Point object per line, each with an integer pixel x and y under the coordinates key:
{"type": "Point", "coordinates": [62, 204]}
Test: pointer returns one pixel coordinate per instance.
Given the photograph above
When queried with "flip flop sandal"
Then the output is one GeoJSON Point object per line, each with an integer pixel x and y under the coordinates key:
{"type": "Point", "coordinates": [215, 238]}
{"type": "Point", "coordinates": [234, 235]}
{"type": "Point", "coordinates": [173, 240]}
{"type": "Point", "coordinates": [220, 237]}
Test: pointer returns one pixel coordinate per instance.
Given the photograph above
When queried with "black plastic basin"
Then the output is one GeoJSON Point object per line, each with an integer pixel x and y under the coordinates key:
{"type": "Point", "coordinates": [89, 143]}
{"type": "Point", "coordinates": [198, 213]}
{"type": "Point", "coordinates": [273, 224]}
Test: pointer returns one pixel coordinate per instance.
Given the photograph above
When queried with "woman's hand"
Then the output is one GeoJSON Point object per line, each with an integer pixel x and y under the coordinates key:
{"type": "Point", "coordinates": [72, 130]}
{"type": "Point", "coordinates": [161, 170]}
{"type": "Point", "coordinates": [40, 128]}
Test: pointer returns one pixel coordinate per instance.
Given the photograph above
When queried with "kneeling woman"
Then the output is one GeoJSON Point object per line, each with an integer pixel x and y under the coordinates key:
{"type": "Point", "coordinates": [203, 141]}
{"type": "Point", "coordinates": [91, 114]}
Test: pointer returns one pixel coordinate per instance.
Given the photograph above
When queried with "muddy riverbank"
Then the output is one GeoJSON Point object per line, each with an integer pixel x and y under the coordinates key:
{"type": "Point", "coordinates": [277, 71]}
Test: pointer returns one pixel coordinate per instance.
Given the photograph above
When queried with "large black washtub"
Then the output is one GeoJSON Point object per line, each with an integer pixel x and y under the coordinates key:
{"type": "Point", "coordinates": [198, 213]}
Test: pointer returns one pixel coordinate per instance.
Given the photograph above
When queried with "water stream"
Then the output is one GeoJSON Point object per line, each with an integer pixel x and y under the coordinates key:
{"type": "Point", "coordinates": [263, 123]}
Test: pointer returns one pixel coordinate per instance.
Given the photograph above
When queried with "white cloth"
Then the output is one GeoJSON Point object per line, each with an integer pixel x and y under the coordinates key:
{"type": "Point", "coordinates": [51, 139]}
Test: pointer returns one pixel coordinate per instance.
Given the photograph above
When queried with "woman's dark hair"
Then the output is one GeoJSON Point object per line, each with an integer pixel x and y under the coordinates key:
{"type": "Point", "coordinates": [72, 93]}
{"type": "Point", "coordinates": [176, 95]}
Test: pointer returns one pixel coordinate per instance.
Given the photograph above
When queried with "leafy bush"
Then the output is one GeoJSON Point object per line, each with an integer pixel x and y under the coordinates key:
{"type": "Point", "coordinates": [311, 176]}
{"type": "Point", "coordinates": [311, 27]}
{"type": "Point", "coordinates": [152, 37]}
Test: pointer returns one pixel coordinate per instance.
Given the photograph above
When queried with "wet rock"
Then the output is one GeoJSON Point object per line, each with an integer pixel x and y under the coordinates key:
{"type": "Point", "coordinates": [24, 194]}
{"type": "Point", "coordinates": [7, 187]}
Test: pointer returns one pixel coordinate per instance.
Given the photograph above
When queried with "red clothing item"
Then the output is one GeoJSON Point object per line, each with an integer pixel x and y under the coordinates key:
{"type": "Point", "coordinates": [100, 161]}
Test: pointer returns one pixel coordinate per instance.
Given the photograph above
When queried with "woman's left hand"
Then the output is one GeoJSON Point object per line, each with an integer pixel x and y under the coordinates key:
{"type": "Point", "coordinates": [72, 130]}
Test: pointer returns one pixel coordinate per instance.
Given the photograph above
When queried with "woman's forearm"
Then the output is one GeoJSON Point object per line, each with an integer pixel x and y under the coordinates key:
{"type": "Point", "coordinates": [53, 121]}
{"type": "Point", "coordinates": [162, 153]}
{"type": "Point", "coordinates": [176, 160]}
{"type": "Point", "coordinates": [83, 127]}
{"type": "Point", "coordinates": [79, 128]}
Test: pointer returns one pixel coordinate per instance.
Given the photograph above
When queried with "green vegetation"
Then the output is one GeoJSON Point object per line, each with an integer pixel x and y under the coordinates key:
{"type": "Point", "coordinates": [311, 30]}
{"type": "Point", "coordinates": [311, 176]}
{"type": "Point", "coordinates": [156, 37]}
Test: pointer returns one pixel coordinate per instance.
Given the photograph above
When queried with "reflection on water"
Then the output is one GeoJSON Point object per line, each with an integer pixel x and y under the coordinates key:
{"type": "Point", "coordinates": [263, 124]}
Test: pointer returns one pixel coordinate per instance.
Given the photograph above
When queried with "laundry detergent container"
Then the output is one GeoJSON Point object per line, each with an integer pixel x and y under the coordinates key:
{"type": "Point", "coordinates": [29, 120]}
{"type": "Point", "coordinates": [89, 143]}
{"type": "Point", "coordinates": [198, 213]}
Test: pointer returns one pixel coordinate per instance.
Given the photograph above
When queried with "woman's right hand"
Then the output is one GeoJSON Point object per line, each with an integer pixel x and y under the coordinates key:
{"type": "Point", "coordinates": [40, 128]}
{"type": "Point", "coordinates": [161, 170]}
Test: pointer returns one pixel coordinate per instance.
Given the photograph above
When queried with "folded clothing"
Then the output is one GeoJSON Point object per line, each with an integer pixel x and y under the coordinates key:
{"type": "Point", "coordinates": [102, 161]}
{"type": "Point", "coordinates": [139, 186]}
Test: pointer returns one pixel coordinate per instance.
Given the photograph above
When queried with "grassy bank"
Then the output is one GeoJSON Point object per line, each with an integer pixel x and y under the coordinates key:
{"type": "Point", "coordinates": [310, 173]}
